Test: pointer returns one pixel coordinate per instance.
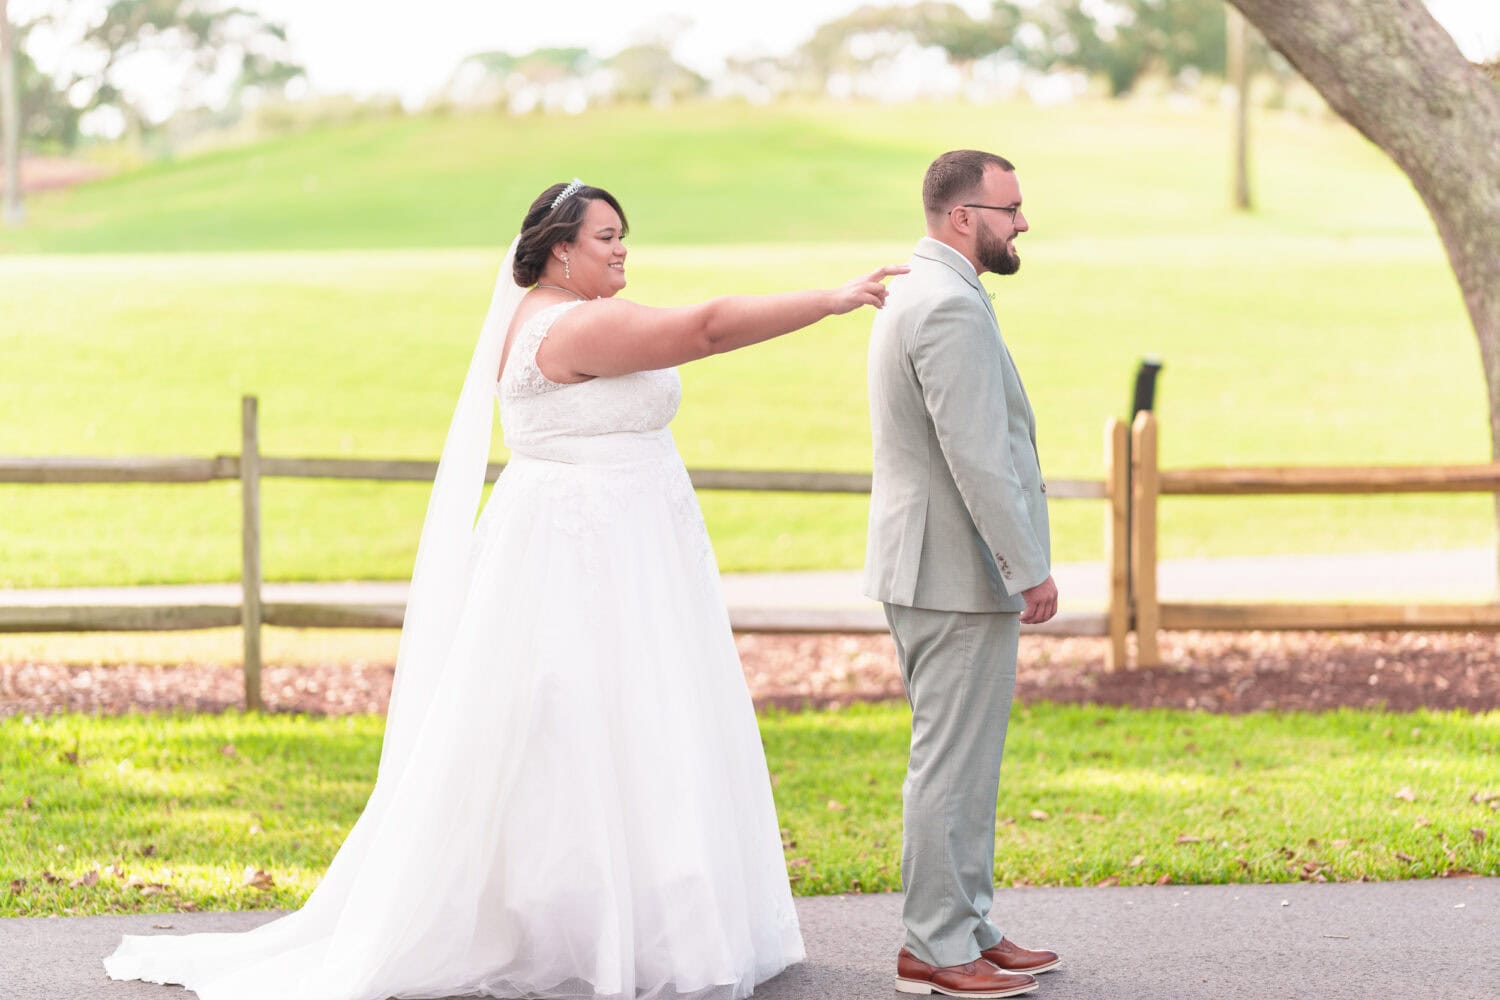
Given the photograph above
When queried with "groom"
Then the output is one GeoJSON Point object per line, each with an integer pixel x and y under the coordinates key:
{"type": "Point", "coordinates": [959, 552]}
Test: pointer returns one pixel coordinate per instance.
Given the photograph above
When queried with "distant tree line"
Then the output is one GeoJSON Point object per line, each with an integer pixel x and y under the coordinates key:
{"type": "Point", "coordinates": [229, 61]}
{"type": "Point", "coordinates": [1118, 41]}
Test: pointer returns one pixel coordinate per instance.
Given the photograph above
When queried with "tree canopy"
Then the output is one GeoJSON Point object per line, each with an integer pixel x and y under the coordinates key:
{"type": "Point", "coordinates": [213, 51]}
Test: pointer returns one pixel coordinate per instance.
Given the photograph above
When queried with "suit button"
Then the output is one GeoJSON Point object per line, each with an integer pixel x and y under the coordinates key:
{"type": "Point", "coordinates": [1044, 487]}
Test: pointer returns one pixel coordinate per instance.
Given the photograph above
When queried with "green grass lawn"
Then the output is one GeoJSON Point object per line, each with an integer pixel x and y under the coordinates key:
{"type": "Point", "coordinates": [139, 813]}
{"type": "Point", "coordinates": [341, 275]}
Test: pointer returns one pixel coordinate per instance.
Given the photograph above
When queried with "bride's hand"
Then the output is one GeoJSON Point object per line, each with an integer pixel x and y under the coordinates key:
{"type": "Point", "coordinates": [869, 290]}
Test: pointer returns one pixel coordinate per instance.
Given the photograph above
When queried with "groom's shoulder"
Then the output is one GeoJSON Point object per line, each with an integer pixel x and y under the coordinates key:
{"type": "Point", "coordinates": [933, 288]}
{"type": "Point", "coordinates": [931, 282]}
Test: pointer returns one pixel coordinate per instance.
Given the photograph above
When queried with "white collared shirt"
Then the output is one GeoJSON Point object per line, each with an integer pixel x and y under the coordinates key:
{"type": "Point", "coordinates": [965, 259]}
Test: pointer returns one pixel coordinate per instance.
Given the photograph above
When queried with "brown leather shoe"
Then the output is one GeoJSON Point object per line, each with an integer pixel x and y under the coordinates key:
{"type": "Point", "coordinates": [1011, 957]}
{"type": "Point", "coordinates": [976, 979]}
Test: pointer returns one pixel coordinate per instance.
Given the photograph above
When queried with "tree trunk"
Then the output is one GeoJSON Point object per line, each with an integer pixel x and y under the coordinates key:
{"type": "Point", "coordinates": [1237, 69]}
{"type": "Point", "coordinates": [10, 121]}
{"type": "Point", "coordinates": [1393, 73]}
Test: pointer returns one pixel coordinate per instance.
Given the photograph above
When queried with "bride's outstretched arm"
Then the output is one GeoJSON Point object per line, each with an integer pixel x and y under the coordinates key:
{"type": "Point", "coordinates": [615, 337]}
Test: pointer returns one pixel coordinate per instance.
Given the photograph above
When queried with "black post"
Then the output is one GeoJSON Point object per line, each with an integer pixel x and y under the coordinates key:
{"type": "Point", "coordinates": [1145, 386]}
{"type": "Point", "coordinates": [1144, 398]}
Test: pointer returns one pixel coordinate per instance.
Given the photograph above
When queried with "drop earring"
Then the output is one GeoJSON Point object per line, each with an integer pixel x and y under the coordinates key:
{"type": "Point", "coordinates": [567, 271]}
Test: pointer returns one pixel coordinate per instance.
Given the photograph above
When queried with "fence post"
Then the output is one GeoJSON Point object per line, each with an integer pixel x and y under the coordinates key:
{"type": "Point", "coordinates": [250, 550]}
{"type": "Point", "coordinates": [1116, 540]}
{"type": "Point", "coordinates": [1144, 487]}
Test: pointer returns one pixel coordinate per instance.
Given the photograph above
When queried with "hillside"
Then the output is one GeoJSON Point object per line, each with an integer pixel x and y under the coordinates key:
{"type": "Point", "coordinates": [724, 173]}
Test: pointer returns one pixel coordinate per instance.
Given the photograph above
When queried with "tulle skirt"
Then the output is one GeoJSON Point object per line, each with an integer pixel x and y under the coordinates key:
{"type": "Point", "coordinates": [586, 810]}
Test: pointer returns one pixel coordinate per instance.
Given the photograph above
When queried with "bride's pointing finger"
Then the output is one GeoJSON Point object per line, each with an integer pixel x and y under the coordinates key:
{"type": "Point", "coordinates": [889, 271]}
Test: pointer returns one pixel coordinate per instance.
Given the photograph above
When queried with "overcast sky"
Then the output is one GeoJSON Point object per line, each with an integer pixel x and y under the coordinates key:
{"type": "Point", "coordinates": [410, 49]}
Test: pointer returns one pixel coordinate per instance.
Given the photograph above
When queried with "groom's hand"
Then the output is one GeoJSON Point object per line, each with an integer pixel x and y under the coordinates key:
{"type": "Point", "coordinates": [1041, 602]}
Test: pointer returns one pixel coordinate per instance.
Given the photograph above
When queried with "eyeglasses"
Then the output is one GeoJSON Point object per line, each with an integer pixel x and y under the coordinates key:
{"type": "Point", "coordinates": [1012, 209]}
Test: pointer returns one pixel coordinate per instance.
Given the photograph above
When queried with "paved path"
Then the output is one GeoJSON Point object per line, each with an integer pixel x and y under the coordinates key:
{"type": "Point", "coordinates": [1442, 575]}
{"type": "Point", "coordinates": [1454, 575]}
{"type": "Point", "coordinates": [1350, 941]}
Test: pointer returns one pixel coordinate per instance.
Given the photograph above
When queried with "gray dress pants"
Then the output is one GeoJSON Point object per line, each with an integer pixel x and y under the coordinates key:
{"type": "Point", "coordinates": [960, 675]}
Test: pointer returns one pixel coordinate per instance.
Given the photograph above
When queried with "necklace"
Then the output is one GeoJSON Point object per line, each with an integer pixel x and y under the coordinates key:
{"type": "Point", "coordinates": [560, 288]}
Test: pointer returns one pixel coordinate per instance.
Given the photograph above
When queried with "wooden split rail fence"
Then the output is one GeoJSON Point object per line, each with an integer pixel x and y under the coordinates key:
{"type": "Point", "coordinates": [1149, 483]}
{"type": "Point", "coordinates": [1130, 487]}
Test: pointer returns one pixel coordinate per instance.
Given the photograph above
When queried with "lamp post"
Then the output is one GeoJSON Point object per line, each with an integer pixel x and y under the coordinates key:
{"type": "Point", "coordinates": [1143, 398]}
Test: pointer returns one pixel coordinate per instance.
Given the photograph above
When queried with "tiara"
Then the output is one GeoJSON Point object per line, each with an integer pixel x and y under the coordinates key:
{"type": "Point", "coordinates": [566, 193]}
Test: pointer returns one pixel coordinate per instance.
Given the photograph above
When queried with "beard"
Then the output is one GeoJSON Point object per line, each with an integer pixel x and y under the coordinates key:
{"type": "Point", "coordinates": [995, 254]}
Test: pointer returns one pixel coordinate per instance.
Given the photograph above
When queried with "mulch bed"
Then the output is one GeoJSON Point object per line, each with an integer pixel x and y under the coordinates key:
{"type": "Point", "coordinates": [1212, 671]}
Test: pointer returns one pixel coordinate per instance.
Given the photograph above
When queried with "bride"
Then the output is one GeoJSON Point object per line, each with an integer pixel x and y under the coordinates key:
{"type": "Point", "coordinates": [572, 799]}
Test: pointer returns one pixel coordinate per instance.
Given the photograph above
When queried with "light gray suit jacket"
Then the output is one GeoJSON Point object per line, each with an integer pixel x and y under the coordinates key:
{"type": "Point", "coordinates": [958, 510]}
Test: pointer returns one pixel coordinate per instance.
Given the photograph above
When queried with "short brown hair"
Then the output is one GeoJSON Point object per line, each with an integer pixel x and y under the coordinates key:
{"type": "Point", "coordinates": [954, 175]}
{"type": "Point", "coordinates": [545, 227]}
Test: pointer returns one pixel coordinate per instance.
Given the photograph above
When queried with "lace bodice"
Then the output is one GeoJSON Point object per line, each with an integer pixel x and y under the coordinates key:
{"type": "Point", "coordinates": [601, 420]}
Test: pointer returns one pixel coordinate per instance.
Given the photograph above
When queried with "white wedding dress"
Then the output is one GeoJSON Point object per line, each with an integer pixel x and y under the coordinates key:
{"type": "Point", "coordinates": [582, 809]}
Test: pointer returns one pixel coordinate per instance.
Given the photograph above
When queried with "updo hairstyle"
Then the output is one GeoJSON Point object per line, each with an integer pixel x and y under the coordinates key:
{"type": "Point", "coordinates": [545, 227]}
